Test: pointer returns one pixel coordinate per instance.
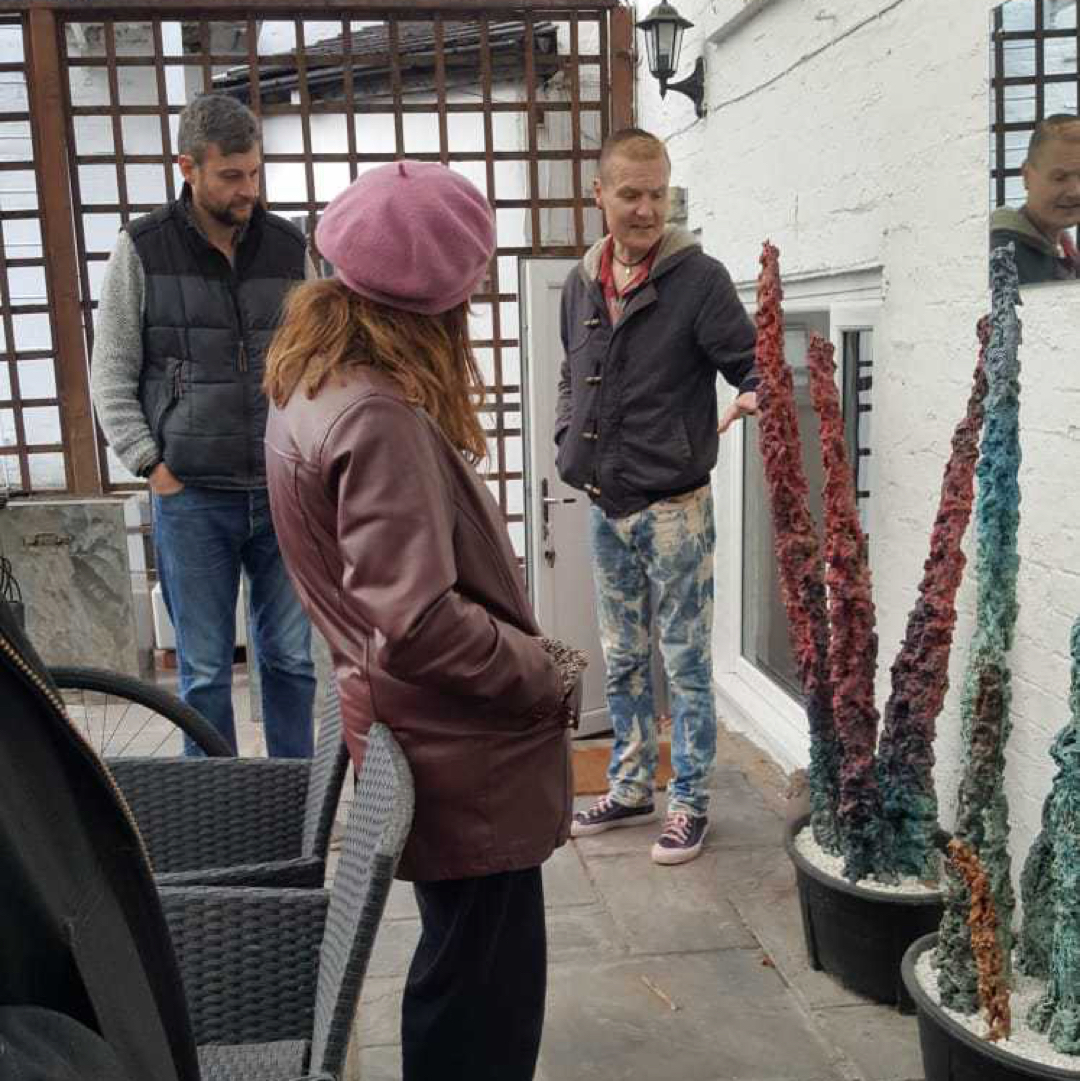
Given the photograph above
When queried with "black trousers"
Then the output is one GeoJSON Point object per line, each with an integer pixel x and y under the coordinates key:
{"type": "Point", "coordinates": [474, 999]}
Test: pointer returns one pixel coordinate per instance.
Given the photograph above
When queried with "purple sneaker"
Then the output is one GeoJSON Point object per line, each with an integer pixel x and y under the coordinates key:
{"type": "Point", "coordinates": [606, 814]}
{"type": "Point", "coordinates": [682, 838]}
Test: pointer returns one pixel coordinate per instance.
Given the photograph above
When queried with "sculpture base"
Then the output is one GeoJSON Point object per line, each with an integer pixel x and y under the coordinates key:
{"type": "Point", "coordinates": [859, 936]}
{"type": "Point", "coordinates": [951, 1053]}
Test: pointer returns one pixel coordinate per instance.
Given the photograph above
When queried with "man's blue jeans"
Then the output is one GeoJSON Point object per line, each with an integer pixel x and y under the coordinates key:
{"type": "Point", "coordinates": [203, 538]}
{"type": "Point", "coordinates": [667, 546]}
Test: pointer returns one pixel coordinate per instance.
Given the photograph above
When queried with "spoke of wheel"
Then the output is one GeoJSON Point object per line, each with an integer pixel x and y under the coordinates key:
{"type": "Point", "coordinates": [139, 732]}
{"type": "Point", "coordinates": [164, 739]}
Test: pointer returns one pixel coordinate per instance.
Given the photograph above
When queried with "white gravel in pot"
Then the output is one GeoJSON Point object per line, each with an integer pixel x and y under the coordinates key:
{"type": "Point", "coordinates": [833, 866]}
{"type": "Point", "coordinates": [1024, 1042]}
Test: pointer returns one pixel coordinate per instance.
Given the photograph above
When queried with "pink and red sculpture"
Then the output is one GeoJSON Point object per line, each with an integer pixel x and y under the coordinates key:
{"type": "Point", "coordinates": [874, 806]}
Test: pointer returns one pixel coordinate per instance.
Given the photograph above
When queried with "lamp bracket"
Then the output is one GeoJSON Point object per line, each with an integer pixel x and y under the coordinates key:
{"type": "Point", "coordinates": [693, 86]}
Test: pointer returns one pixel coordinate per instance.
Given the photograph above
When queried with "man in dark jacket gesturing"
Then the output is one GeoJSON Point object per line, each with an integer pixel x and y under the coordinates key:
{"type": "Point", "coordinates": [191, 298]}
{"type": "Point", "coordinates": [647, 322]}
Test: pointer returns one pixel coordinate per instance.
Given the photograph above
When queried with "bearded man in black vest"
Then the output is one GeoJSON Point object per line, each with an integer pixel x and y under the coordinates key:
{"type": "Point", "coordinates": [189, 303]}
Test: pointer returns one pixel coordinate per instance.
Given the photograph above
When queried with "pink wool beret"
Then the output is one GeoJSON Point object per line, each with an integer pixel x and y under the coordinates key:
{"type": "Point", "coordinates": [411, 235]}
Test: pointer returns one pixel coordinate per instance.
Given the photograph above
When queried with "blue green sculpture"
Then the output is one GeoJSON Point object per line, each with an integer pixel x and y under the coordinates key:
{"type": "Point", "coordinates": [1050, 887]}
{"type": "Point", "coordinates": [982, 815]}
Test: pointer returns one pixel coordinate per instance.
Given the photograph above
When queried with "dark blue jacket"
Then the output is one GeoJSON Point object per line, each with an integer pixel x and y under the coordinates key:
{"type": "Point", "coordinates": [637, 412]}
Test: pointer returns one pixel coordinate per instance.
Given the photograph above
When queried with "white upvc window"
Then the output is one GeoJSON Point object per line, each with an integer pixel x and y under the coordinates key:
{"type": "Point", "coordinates": [756, 674]}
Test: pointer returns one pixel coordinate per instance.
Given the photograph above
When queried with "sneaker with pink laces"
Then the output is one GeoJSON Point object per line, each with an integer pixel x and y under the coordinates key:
{"type": "Point", "coordinates": [682, 838]}
{"type": "Point", "coordinates": [607, 814]}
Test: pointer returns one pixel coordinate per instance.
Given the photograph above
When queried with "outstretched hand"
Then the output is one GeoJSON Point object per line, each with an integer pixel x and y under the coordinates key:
{"type": "Point", "coordinates": [745, 405]}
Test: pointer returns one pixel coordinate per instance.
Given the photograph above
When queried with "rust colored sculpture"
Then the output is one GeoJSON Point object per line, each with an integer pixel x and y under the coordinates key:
{"type": "Point", "coordinates": [800, 569]}
{"type": "Point", "coordinates": [982, 920]}
{"type": "Point", "coordinates": [836, 647]}
{"type": "Point", "coordinates": [852, 650]}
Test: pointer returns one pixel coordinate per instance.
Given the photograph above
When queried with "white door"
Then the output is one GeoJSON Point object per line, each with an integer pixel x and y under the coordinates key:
{"type": "Point", "coordinates": [556, 516]}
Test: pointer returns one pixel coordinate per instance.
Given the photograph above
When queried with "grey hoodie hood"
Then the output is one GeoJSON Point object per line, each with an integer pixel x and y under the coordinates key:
{"type": "Point", "coordinates": [674, 240]}
{"type": "Point", "coordinates": [1007, 220]}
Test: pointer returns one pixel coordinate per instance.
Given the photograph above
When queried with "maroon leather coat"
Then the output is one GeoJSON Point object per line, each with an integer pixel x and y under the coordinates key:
{"type": "Point", "coordinates": [401, 558]}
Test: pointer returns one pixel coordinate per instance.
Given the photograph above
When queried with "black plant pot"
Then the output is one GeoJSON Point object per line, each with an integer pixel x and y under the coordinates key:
{"type": "Point", "coordinates": [859, 936]}
{"type": "Point", "coordinates": [951, 1053]}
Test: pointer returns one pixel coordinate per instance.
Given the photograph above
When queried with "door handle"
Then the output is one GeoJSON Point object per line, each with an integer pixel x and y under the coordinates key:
{"type": "Point", "coordinates": [547, 502]}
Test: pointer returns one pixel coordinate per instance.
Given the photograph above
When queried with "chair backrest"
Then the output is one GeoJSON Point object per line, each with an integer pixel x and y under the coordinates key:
{"type": "Point", "coordinates": [327, 774]}
{"type": "Point", "coordinates": [378, 826]}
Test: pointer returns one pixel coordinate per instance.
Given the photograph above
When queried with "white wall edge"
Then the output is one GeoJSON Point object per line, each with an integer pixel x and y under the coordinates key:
{"type": "Point", "coordinates": [736, 22]}
{"type": "Point", "coordinates": [780, 732]}
{"type": "Point", "coordinates": [855, 283]}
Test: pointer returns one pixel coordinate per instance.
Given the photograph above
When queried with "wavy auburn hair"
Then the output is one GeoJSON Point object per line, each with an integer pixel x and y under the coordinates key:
{"type": "Point", "coordinates": [327, 329]}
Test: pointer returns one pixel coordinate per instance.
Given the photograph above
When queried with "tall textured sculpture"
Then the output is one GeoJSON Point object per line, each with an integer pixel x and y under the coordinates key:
{"type": "Point", "coordinates": [982, 815]}
{"type": "Point", "coordinates": [800, 569]}
{"type": "Point", "coordinates": [835, 646]}
{"type": "Point", "coordinates": [1050, 885]}
{"type": "Point", "coordinates": [993, 986]}
{"type": "Point", "coordinates": [852, 650]}
{"type": "Point", "coordinates": [920, 673]}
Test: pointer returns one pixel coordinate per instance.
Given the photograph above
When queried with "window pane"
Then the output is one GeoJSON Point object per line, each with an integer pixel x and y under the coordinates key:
{"type": "Point", "coordinates": [47, 472]}
{"type": "Point", "coordinates": [42, 425]}
{"type": "Point", "coordinates": [7, 427]}
{"type": "Point", "coordinates": [37, 379]}
{"type": "Point", "coordinates": [765, 640]}
{"type": "Point", "coordinates": [1060, 14]}
{"type": "Point", "coordinates": [1018, 15]}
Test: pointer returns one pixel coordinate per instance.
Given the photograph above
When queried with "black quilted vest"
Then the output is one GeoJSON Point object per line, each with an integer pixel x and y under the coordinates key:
{"type": "Point", "coordinates": [206, 328]}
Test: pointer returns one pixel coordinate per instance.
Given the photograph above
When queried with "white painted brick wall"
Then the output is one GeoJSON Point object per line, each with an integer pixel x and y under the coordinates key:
{"type": "Point", "coordinates": [875, 151]}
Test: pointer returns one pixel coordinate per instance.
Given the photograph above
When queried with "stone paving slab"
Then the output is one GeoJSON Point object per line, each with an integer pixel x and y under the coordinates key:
{"type": "Point", "coordinates": [379, 1064]}
{"type": "Point", "coordinates": [394, 946]}
{"type": "Point", "coordinates": [669, 909]}
{"type": "Point", "coordinates": [566, 881]}
{"type": "Point", "coordinates": [883, 1044]}
{"type": "Point", "coordinates": [401, 904]}
{"type": "Point", "coordinates": [771, 913]}
{"type": "Point", "coordinates": [733, 1018]}
{"type": "Point", "coordinates": [583, 934]}
{"type": "Point", "coordinates": [378, 1018]}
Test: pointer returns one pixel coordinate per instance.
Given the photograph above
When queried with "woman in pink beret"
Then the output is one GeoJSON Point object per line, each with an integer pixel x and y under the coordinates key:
{"type": "Point", "coordinates": [402, 560]}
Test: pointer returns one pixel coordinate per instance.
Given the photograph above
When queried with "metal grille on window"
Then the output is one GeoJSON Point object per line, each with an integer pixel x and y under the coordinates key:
{"type": "Point", "coordinates": [1034, 74]}
{"type": "Point", "coordinates": [858, 410]}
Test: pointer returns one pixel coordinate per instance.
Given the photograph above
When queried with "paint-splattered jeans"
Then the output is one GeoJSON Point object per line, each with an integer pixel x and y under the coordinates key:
{"type": "Point", "coordinates": [668, 547]}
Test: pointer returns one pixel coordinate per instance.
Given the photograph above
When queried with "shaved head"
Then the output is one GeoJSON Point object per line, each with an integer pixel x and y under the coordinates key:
{"type": "Point", "coordinates": [1059, 126]}
{"type": "Point", "coordinates": [633, 144]}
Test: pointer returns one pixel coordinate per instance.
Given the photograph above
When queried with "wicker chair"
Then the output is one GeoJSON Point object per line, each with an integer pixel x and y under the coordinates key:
{"type": "Point", "coordinates": [240, 821]}
{"type": "Point", "coordinates": [273, 976]}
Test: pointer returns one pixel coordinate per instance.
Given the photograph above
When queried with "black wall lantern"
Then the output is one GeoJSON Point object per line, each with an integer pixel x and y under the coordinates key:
{"type": "Point", "coordinates": [663, 28]}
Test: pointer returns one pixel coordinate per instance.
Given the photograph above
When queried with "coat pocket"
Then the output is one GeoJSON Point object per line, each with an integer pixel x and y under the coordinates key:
{"type": "Point", "coordinates": [656, 456]}
{"type": "Point", "coordinates": [169, 394]}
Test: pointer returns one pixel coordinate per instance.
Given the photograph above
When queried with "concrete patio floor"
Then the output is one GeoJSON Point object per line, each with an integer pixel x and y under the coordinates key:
{"type": "Point", "coordinates": [692, 973]}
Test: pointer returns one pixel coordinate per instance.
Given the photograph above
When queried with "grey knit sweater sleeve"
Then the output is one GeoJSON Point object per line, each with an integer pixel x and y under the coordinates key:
{"type": "Point", "coordinates": [118, 356]}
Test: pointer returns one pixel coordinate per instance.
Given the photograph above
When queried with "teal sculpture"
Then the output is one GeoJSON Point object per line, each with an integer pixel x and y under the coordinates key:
{"type": "Point", "coordinates": [1050, 887]}
{"type": "Point", "coordinates": [982, 814]}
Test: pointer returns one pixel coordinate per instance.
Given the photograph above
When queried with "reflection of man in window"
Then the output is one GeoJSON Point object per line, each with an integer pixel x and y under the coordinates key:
{"type": "Point", "coordinates": [1045, 250]}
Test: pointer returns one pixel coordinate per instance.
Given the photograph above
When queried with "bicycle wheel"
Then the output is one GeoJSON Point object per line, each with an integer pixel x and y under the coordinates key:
{"type": "Point", "coordinates": [121, 716]}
